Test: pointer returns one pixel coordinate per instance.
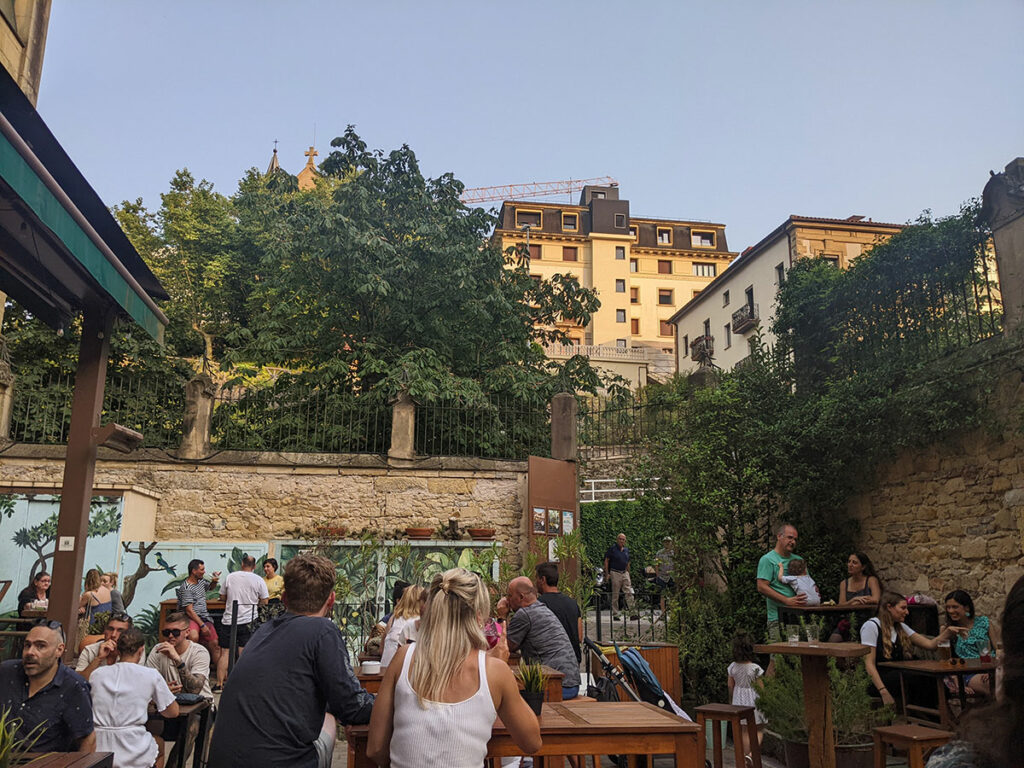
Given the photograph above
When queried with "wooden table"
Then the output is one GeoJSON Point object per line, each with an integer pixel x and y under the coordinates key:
{"type": "Point", "coordinates": [553, 691]}
{"type": "Point", "coordinates": [938, 670]}
{"type": "Point", "coordinates": [585, 727]}
{"type": "Point", "coordinates": [182, 746]}
{"type": "Point", "coordinates": [69, 760]}
{"type": "Point", "coordinates": [817, 694]}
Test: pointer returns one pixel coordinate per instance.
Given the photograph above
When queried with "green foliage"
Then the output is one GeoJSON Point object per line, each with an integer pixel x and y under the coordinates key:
{"type": "Point", "coordinates": [533, 677]}
{"type": "Point", "coordinates": [147, 621]}
{"type": "Point", "coordinates": [643, 522]}
{"type": "Point", "coordinates": [854, 717]}
{"type": "Point", "coordinates": [13, 747]}
{"type": "Point", "coordinates": [702, 627]}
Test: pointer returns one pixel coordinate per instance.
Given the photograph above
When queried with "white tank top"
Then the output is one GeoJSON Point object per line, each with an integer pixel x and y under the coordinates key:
{"type": "Point", "coordinates": [453, 735]}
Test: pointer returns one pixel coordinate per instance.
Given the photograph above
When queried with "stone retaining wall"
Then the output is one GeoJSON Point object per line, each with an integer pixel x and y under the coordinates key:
{"type": "Point", "coordinates": [263, 496]}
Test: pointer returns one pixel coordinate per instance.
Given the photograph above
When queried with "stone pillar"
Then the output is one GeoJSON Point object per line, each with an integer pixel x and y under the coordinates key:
{"type": "Point", "coordinates": [1003, 208]}
{"type": "Point", "coordinates": [563, 426]}
{"type": "Point", "coordinates": [704, 376]}
{"type": "Point", "coordinates": [6, 398]}
{"type": "Point", "coordinates": [195, 438]}
{"type": "Point", "coordinates": [403, 427]}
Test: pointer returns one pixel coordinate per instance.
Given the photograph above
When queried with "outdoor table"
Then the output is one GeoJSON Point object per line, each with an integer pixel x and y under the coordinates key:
{"type": "Point", "coordinates": [584, 728]}
{"type": "Point", "coordinates": [829, 611]}
{"type": "Point", "coordinates": [69, 760]}
{"type": "Point", "coordinates": [937, 670]}
{"type": "Point", "coordinates": [817, 699]}
{"type": "Point", "coordinates": [553, 691]}
{"type": "Point", "coordinates": [185, 713]}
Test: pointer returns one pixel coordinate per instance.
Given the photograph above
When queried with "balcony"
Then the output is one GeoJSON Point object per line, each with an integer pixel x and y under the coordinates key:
{"type": "Point", "coordinates": [597, 352]}
{"type": "Point", "coordinates": [702, 348]}
{"type": "Point", "coordinates": [745, 318]}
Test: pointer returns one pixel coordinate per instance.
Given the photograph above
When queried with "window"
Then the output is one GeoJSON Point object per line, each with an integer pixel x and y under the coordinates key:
{"type": "Point", "coordinates": [750, 297]}
{"type": "Point", "coordinates": [620, 252]}
{"type": "Point", "coordinates": [702, 239]}
{"type": "Point", "coordinates": [570, 253]}
{"type": "Point", "coordinates": [633, 265]}
{"type": "Point", "coordinates": [633, 232]}
{"type": "Point", "coordinates": [620, 343]}
{"type": "Point", "coordinates": [667, 350]}
{"type": "Point", "coordinates": [704, 270]}
{"type": "Point", "coordinates": [725, 298]}
{"type": "Point", "coordinates": [634, 295]}
{"type": "Point", "coordinates": [664, 236]}
{"type": "Point", "coordinates": [686, 346]}
{"type": "Point", "coordinates": [532, 219]}
{"type": "Point", "coordinates": [534, 251]}
{"type": "Point", "coordinates": [665, 296]}
{"type": "Point", "coordinates": [620, 315]}
{"type": "Point", "coordinates": [570, 222]}
{"type": "Point", "coordinates": [665, 328]}
{"type": "Point", "coordinates": [728, 335]}
{"type": "Point", "coordinates": [707, 326]}
{"type": "Point", "coordinates": [620, 286]}
{"type": "Point", "coordinates": [597, 195]}
{"type": "Point", "coordinates": [620, 221]}
{"type": "Point", "coordinates": [696, 294]}
{"type": "Point", "coordinates": [634, 326]}
{"type": "Point", "coordinates": [780, 274]}
{"type": "Point", "coordinates": [831, 258]}
{"type": "Point", "coordinates": [664, 267]}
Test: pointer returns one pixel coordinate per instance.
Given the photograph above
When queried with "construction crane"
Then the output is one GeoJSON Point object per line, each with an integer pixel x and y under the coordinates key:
{"type": "Point", "coordinates": [536, 189]}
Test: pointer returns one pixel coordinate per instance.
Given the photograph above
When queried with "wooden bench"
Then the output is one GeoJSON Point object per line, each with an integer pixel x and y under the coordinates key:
{"type": "Point", "coordinates": [915, 740]}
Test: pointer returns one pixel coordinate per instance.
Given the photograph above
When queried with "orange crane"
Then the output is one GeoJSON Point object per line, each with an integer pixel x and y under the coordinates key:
{"type": "Point", "coordinates": [536, 189]}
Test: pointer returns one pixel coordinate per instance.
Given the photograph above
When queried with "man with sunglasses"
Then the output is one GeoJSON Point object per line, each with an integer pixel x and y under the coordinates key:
{"type": "Point", "coordinates": [184, 665]}
{"type": "Point", "coordinates": [103, 652]}
{"type": "Point", "coordinates": [39, 690]}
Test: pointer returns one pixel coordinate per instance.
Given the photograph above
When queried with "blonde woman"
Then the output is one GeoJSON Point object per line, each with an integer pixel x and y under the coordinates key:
{"type": "Point", "coordinates": [96, 597]}
{"type": "Point", "coordinates": [439, 699]}
{"type": "Point", "coordinates": [892, 640]}
{"type": "Point", "coordinates": [407, 612]}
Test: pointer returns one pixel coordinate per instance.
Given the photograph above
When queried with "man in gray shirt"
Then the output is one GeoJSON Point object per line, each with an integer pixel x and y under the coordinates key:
{"type": "Point", "coordinates": [538, 634]}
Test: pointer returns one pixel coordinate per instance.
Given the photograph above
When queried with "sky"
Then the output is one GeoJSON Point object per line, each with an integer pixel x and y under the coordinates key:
{"type": "Point", "coordinates": [740, 112]}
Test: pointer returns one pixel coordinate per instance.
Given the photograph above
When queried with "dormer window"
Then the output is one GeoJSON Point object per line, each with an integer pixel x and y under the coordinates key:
{"type": "Point", "coordinates": [570, 222]}
{"type": "Point", "coordinates": [528, 218]}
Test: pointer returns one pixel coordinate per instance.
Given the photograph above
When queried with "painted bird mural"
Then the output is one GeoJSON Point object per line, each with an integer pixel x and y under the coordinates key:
{"type": "Point", "coordinates": [165, 565]}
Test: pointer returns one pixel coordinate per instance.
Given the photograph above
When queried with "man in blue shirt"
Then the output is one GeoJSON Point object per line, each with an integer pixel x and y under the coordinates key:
{"type": "Point", "coordinates": [616, 565]}
{"type": "Point", "coordinates": [40, 690]}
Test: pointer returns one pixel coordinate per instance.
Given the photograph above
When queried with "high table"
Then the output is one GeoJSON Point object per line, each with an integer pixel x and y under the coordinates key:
{"type": "Point", "coordinates": [181, 746]}
{"type": "Point", "coordinates": [69, 760]}
{"type": "Point", "coordinates": [817, 695]}
{"type": "Point", "coordinates": [552, 692]}
{"type": "Point", "coordinates": [938, 670]}
{"type": "Point", "coordinates": [584, 728]}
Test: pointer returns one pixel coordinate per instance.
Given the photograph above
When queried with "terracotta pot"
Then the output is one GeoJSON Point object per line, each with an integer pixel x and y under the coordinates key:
{"type": "Point", "coordinates": [480, 533]}
{"type": "Point", "coordinates": [535, 699]}
{"type": "Point", "coordinates": [419, 533]}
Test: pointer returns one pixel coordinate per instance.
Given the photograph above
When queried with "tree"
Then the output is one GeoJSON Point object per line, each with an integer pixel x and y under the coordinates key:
{"type": "Point", "coordinates": [104, 518]}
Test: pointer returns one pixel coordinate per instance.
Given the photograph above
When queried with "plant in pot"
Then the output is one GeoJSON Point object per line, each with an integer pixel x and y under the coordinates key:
{"type": "Point", "coordinates": [12, 747]}
{"type": "Point", "coordinates": [420, 531]}
{"type": "Point", "coordinates": [534, 682]}
{"type": "Point", "coordinates": [854, 715]}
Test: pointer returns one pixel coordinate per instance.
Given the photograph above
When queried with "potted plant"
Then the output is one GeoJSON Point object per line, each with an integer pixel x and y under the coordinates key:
{"type": "Point", "coordinates": [420, 532]}
{"type": "Point", "coordinates": [480, 534]}
{"type": "Point", "coordinates": [854, 715]}
{"type": "Point", "coordinates": [534, 683]}
{"type": "Point", "coordinates": [12, 748]}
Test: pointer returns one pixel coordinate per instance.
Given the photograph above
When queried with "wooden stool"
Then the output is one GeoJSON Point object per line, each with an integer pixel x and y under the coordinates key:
{"type": "Point", "coordinates": [728, 713]}
{"type": "Point", "coordinates": [915, 739]}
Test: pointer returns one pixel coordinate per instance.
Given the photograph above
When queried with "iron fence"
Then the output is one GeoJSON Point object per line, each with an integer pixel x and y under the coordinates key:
{"type": "Point", "coordinates": [499, 428]}
{"type": "Point", "coordinates": [612, 428]}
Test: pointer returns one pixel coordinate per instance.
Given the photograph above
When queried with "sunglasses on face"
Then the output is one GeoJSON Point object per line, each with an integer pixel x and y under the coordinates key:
{"type": "Point", "coordinates": [171, 633]}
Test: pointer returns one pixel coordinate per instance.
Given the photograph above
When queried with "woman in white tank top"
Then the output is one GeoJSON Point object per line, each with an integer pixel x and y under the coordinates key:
{"type": "Point", "coordinates": [440, 696]}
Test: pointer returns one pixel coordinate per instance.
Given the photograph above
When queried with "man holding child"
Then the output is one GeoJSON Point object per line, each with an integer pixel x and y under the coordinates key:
{"type": "Point", "coordinates": [777, 592]}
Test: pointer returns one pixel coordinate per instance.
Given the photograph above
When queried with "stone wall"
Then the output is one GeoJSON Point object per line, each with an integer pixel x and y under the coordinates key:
{"type": "Point", "coordinates": [236, 495]}
{"type": "Point", "coordinates": [952, 516]}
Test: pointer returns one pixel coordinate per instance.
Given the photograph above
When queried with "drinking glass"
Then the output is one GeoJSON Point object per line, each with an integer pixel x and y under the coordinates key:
{"type": "Point", "coordinates": [944, 652]}
{"type": "Point", "coordinates": [793, 633]}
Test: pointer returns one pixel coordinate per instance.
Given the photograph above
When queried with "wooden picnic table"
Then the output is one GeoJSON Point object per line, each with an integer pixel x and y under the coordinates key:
{"type": "Point", "coordinates": [553, 691]}
{"type": "Point", "coordinates": [817, 696]}
{"type": "Point", "coordinates": [69, 760]}
{"type": "Point", "coordinates": [585, 728]}
{"type": "Point", "coordinates": [937, 670]}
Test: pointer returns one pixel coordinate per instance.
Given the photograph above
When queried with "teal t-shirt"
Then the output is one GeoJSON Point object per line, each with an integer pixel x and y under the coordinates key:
{"type": "Point", "coordinates": [768, 569]}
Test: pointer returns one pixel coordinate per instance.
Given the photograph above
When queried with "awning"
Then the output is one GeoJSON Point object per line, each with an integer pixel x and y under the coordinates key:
{"type": "Point", "coordinates": [60, 247]}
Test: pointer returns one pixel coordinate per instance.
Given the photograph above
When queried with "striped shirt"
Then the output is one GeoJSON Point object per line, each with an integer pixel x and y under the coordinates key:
{"type": "Point", "coordinates": [194, 595]}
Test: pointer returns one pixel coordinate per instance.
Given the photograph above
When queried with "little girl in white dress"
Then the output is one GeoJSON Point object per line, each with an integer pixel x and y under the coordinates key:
{"type": "Point", "coordinates": [743, 671]}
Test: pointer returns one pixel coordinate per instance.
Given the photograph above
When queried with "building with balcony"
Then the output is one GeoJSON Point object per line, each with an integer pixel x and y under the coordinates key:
{"type": "Point", "coordinates": [643, 269]}
{"type": "Point", "coordinates": [717, 325]}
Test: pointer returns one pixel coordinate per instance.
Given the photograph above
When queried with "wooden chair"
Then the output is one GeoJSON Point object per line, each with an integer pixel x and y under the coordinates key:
{"type": "Point", "coordinates": [916, 740]}
{"type": "Point", "coordinates": [728, 713]}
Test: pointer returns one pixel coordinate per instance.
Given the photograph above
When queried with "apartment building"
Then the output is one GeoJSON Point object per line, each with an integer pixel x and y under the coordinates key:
{"type": "Point", "coordinates": [718, 324]}
{"type": "Point", "coordinates": [643, 269]}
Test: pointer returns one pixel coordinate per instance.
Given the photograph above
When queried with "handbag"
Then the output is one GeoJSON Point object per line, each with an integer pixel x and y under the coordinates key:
{"type": "Point", "coordinates": [187, 699]}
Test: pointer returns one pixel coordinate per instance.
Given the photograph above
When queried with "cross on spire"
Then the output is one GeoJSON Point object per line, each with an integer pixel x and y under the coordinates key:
{"type": "Point", "coordinates": [310, 154]}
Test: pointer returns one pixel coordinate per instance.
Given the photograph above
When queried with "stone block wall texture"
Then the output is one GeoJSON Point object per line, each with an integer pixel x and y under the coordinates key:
{"type": "Point", "coordinates": [270, 496]}
{"type": "Point", "coordinates": [952, 516]}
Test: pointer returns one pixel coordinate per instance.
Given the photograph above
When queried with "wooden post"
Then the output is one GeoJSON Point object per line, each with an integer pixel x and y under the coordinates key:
{"type": "Point", "coordinates": [79, 470]}
{"type": "Point", "coordinates": [6, 398]}
{"type": "Point", "coordinates": [563, 426]}
{"type": "Point", "coordinates": [821, 745]}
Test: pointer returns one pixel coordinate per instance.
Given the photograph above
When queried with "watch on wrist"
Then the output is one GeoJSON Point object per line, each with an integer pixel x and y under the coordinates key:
{"type": "Point", "coordinates": [180, 665]}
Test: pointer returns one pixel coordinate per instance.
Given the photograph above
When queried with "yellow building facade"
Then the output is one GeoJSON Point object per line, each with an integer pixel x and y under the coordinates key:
{"type": "Point", "coordinates": [643, 269]}
{"type": "Point", "coordinates": [23, 25]}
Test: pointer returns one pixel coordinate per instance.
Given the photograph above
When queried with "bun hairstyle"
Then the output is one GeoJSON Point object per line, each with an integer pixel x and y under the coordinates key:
{"type": "Point", "coordinates": [450, 629]}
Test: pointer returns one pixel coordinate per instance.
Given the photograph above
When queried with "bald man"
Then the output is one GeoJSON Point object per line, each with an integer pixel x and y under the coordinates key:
{"type": "Point", "coordinates": [538, 634]}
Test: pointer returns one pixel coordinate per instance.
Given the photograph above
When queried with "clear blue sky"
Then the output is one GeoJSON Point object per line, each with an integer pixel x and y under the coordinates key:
{"type": "Point", "coordinates": [737, 112]}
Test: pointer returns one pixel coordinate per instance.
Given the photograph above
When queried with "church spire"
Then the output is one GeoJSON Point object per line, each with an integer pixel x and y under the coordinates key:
{"type": "Point", "coordinates": [309, 174]}
{"type": "Point", "coordinates": [274, 165]}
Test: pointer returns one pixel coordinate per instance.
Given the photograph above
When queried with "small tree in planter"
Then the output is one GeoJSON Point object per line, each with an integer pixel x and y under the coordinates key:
{"type": "Point", "coordinates": [534, 682]}
{"type": "Point", "coordinates": [854, 715]}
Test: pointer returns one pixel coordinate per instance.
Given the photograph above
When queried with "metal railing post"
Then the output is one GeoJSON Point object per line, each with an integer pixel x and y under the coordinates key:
{"type": "Point", "coordinates": [233, 642]}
